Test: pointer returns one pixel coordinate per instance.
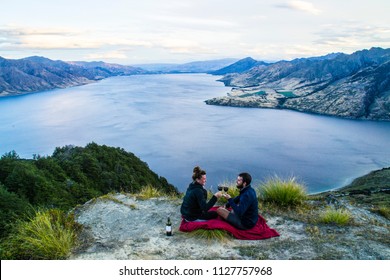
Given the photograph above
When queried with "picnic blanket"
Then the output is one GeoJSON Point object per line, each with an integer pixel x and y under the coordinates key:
{"type": "Point", "coordinates": [260, 231]}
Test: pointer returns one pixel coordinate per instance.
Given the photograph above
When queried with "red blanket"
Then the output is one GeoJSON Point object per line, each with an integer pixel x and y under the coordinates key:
{"type": "Point", "coordinates": [260, 231]}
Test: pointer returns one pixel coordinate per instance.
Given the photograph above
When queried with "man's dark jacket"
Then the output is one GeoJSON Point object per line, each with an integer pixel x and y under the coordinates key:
{"type": "Point", "coordinates": [246, 207]}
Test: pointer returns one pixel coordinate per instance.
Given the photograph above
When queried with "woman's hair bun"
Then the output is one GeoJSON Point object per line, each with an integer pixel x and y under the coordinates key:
{"type": "Point", "coordinates": [197, 173]}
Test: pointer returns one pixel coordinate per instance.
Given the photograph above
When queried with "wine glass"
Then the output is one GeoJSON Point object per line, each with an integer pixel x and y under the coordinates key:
{"type": "Point", "coordinates": [223, 188]}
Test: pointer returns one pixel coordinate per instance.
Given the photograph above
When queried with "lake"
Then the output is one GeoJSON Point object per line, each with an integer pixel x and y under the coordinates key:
{"type": "Point", "coordinates": [163, 120]}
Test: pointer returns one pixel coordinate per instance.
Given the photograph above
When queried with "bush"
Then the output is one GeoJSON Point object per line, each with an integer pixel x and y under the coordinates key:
{"type": "Point", "coordinates": [335, 216]}
{"type": "Point", "coordinates": [12, 207]}
{"type": "Point", "coordinates": [284, 193]}
{"type": "Point", "coordinates": [50, 235]}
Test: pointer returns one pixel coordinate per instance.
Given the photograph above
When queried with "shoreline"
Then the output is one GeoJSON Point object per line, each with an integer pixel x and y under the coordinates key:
{"type": "Point", "coordinates": [220, 101]}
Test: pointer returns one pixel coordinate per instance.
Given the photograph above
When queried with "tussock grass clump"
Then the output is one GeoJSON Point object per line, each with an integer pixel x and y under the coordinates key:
{"type": "Point", "coordinates": [383, 211]}
{"type": "Point", "coordinates": [209, 235]}
{"type": "Point", "coordinates": [49, 235]}
{"type": "Point", "coordinates": [148, 192]}
{"type": "Point", "coordinates": [339, 217]}
{"type": "Point", "coordinates": [110, 197]}
{"type": "Point", "coordinates": [284, 193]}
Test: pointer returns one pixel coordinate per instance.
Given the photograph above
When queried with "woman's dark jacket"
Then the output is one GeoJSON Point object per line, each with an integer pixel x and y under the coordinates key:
{"type": "Point", "coordinates": [194, 202]}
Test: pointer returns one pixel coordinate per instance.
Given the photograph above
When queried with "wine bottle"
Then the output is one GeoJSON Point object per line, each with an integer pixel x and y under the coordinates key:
{"type": "Point", "coordinates": [168, 227]}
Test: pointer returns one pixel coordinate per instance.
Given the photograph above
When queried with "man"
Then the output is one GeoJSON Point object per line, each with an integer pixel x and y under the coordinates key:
{"type": "Point", "coordinates": [244, 214]}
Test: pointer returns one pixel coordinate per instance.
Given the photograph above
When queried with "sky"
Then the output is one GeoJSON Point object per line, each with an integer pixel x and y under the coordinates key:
{"type": "Point", "coordinates": [179, 31]}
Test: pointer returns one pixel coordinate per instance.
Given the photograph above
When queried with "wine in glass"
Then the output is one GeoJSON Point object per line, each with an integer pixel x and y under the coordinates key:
{"type": "Point", "coordinates": [222, 188]}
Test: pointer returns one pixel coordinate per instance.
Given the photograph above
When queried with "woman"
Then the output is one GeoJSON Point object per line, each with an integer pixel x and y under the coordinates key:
{"type": "Point", "coordinates": [195, 207]}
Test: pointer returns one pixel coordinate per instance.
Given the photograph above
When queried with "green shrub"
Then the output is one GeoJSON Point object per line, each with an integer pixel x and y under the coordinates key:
{"type": "Point", "coordinates": [50, 235]}
{"type": "Point", "coordinates": [12, 208]}
{"type": "Point", "coordinates": [284, 193]}
{"type": "Point", "coordinates": [335, 216]}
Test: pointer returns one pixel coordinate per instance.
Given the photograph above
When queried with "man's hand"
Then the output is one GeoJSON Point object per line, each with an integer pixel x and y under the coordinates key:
{"type": "Point", "coordinates": [218, 194]}
{"type": "Point", "coordinates": [227, 196]}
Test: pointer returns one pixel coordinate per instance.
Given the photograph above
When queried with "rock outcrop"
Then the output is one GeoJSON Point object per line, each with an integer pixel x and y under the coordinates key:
{"type": "Point", "coordinates": [122, 227]}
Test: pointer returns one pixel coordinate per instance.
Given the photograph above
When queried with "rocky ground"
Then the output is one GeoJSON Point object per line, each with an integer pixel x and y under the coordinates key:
{"type": "Point", "coordinates": [121, 227]}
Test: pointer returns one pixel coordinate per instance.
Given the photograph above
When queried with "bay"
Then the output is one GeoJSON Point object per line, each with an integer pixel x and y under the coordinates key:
{"type": "Point", "coordinates": [163, 120]}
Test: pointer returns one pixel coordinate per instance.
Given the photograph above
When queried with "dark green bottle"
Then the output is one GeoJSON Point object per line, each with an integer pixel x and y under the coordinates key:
{"type": "Point", "coordinates": [168, 227]}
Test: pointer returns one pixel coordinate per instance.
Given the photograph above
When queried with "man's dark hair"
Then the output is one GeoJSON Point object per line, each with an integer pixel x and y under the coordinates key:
{"type": "Point", "coordinates": [246, 178]}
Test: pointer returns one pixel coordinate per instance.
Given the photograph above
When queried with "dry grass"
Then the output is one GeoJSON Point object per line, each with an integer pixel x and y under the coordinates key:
{"type": "Point", "coordinates": [339, 217]}
{"type": "Point", "coordinates": [284, 193]}
{"type": "Point", "coordinates": [49, 235]}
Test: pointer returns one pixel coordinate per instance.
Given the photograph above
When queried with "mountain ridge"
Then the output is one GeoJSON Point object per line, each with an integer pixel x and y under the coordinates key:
{"type": "Point", "coordinates": [353, 86]}
{"type": "Point", "coordinates": [35, 73]}
{"type": "Point", "coordinates": [207, 66]}
{"type": "Point", "coordinates": [239, 66]}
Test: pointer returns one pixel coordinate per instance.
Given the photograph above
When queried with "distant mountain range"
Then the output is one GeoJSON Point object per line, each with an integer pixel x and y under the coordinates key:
{"type": "Point", "coordinates": [32, 74]}
{"type": "Point", "coordinates": [353, 86]}
{"type": "Point", "coordinates": [208, 66]}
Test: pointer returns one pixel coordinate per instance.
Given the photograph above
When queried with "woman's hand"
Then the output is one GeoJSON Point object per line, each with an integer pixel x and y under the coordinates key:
{"type": "Point", "coordinates": [227, 196]}
{"type": "Point", "coordinates": [218, 194]}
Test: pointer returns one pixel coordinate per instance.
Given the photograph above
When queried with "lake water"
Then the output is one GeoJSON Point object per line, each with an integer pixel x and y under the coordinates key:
{"type": "Point", "coordinates": [163, 120]}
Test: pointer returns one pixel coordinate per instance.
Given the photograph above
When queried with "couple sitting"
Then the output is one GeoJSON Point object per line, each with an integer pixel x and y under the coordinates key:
{"type": "Point", "coordinates": [244, 208]}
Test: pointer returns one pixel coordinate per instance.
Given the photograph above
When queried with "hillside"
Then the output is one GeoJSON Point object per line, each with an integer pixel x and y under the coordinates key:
{"type": "Point", "coordinates": [123, 227]}
{"type": "Point", "coordinates": [352, 86]}
{"type": "Point", "coordinates": [72, 175]}
{"type": "Point", "coordinates": [33, 74]}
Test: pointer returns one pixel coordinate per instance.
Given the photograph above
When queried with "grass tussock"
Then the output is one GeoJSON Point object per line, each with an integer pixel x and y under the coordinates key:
{"type": "Point", "coordinates": [110, 197]}
{"type": "Point", "coordinates": [383, 211]}
{"type": "Point", "coordinates": [148, 192]}
{"type": "Point", "coordinates": [49, 235]}
{"type": "Point", "coordinates": [283, 193]}
{"type": "Point", "coordinates": [338, 217]}
{"type": "Point", "coordinates": [210, 235]}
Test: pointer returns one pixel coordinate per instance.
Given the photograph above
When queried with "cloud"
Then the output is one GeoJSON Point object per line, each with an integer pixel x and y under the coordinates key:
{"type": "Point", "coordinates": [195, 22]}
{"type": "Point", "coordinates": [302, 6]}
{"type": "Point", "coordinates": [45, 38]}
{"type": "Point", "coordinates": [107, 55]}
{"type": "Point", "coordinates": [352, 35]}
{"type": "Point", "coordinates": [276, 52]}
{"type": "Point", "coordinates": [28, 38]}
